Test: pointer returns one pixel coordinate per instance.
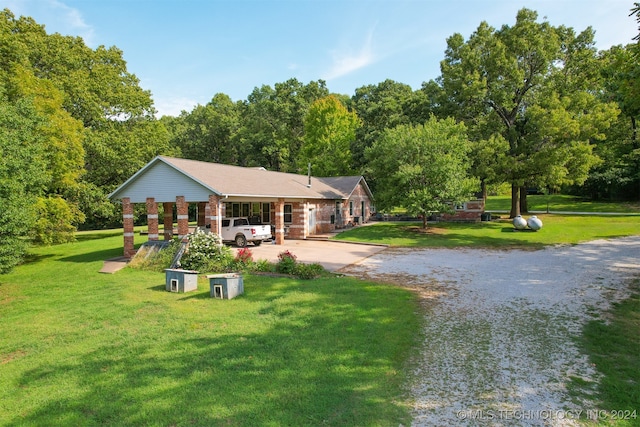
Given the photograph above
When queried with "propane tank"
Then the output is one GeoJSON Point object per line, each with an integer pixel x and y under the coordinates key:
{"type": "Point", "coordinates": [534, 223]}
{"type": "Point", "coordinates": [519, 223]}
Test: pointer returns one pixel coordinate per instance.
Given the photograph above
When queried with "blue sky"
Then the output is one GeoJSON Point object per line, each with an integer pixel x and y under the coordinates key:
{"type": "Point", "coordinates": [186, 51]}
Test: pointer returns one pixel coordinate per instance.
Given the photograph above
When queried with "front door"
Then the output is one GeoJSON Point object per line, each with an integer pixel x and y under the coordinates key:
{"type": "Point", "coordinates": [312, 221]}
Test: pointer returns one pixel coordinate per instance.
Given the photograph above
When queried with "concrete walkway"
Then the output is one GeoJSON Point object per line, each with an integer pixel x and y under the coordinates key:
{"type": "Point", "coordinates": [114, 264]}
{"type": "Point", "coordinates": [332, 255]}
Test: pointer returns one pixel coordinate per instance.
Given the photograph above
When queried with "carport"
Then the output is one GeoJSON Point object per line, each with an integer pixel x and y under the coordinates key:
{"type": "Point", "coordinates": [295, 205]}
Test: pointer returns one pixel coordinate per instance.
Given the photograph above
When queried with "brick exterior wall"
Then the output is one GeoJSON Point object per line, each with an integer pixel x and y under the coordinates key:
{"type": "Point", "coordinates": [358, 196]}
{"type": "Point", "coordinates": [325, 210]}
{"type": "Point", "coordinates": [298, 228]}
{"type": "Point", "coordinates": [472, 211]}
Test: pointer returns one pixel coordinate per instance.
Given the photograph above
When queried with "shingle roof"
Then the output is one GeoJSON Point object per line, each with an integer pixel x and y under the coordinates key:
{"type": "Point", "coordinates": [238, 181]}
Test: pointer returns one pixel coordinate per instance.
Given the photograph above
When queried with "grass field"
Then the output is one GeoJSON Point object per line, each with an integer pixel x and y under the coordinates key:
{"type": "Point", "coordinates": [561, 203]}
{"type": "Point", "coordinates": [557, 229]}
{"type": "Point", "coordinates": [83, 348]}
{"type": "Point", "coordinates": [613, 344]}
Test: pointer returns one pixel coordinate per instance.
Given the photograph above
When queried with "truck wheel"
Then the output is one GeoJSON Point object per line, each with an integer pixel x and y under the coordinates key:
{"type": "Point", "coordinates": [257, 242]}
{"type": "Point", "coordinates": [241, 241]}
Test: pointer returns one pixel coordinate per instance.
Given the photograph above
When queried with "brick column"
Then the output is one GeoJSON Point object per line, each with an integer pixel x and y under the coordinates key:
{"type": "Point", "coordinates": [183, 216]}
{"type": "Point", "coordinates": [207, 215]}
{"type": "Point", "coordinates": [201, 214]}
{"type": "Point", "coordinates": [279, 208]}
{"type": "Point", "coordinates": [214, 214]}
{"type": "Point", "coordinates": [127, 224]}
{"type": "Point", "coordinates": [168, 220]}
{"type": "Point", "coordinates": [152, 218]}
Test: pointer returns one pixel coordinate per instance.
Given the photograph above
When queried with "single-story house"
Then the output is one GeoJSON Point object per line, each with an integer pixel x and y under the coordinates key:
{"type": "Point", "coordinates": [297, 206]}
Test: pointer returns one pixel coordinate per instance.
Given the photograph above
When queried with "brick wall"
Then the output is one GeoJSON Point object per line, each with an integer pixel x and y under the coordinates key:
{"type": "Point", "coordinates": [472, 211]}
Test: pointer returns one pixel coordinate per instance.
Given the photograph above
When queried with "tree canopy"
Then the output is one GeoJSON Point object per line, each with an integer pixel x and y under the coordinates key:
{"type": "Point", "coordinates": [535, 80]}
{"type": "Point", "coordinates": [422, 168]}
{"type": "Point", "coordinates": [330, 129]}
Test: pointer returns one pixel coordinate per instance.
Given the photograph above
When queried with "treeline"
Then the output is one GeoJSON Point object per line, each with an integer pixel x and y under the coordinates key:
{"type": "Point", "coordinates": [541, 107]}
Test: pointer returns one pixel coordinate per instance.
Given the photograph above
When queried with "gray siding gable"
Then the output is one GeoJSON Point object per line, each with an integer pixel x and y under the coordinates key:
{"type": "Point", "coordinates": [164, 183]}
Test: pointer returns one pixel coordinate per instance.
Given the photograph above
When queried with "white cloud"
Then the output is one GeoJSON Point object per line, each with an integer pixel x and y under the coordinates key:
{"type": "Point", "coordinates": [59, 17]}
{"type": "Point", "coordinates": [174, 106]}
{"type": "Point", "coordinates": [345, 63]}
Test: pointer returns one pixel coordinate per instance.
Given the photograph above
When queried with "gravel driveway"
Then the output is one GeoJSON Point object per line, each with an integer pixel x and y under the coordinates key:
{"type": "Point", "coordinates": [499, 337]}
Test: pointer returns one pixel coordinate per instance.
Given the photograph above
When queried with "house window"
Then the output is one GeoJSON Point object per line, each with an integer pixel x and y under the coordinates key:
{"type": "Point", "coordinates": [266, 213]}
{"type": "Point", "coordinates": [350, 208]}
{"type": "Point", "coordinates": [459, 206]}
{"type": "Point", "coordinates": [288, 213]}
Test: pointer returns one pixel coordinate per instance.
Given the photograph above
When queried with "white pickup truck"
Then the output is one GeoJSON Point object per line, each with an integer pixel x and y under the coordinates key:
{"type": "Point", "coordinates": [240, 231]}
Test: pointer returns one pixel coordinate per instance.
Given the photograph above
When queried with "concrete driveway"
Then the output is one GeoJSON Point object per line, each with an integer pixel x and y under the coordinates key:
{"type": "Point", "coordinates": [331, 255]}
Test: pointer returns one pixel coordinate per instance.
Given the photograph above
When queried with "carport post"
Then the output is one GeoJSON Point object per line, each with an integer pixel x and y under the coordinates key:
{"type": "Point", "coordinates": [183, 216]}
{"type": "Point", "coordinates": [279, 205]}
{"type": "Point", "coordinates": [168, 220]}
{"type": "Point", "coordinates": [152, 218]}
{"type": "Point", "coordinates": [127, 225]}
{"type": "Point", "coordinates": [201, 214]}
{"type": "Point", "coordinates": [214, 212]}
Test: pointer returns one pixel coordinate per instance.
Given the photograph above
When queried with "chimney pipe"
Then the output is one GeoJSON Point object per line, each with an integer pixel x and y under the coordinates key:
{"type": "Point", "coordinates": [309, 175]}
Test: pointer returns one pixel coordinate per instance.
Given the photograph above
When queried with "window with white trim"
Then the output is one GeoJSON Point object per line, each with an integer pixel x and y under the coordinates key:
{"type": "Point", "coordinates": [288, 213]}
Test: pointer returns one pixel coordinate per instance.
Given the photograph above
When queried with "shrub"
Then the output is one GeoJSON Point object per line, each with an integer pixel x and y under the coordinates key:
{"type": "Point", "coordinates": [308, 271]}
{"type": "Point", "coordinates": [206, 252]}
{"type": "Point", "coordinates": [286, 263]}
{"type": "Point", "coordinates": [243, 260]}
{"type": "Point", "coordinates": [264, 266]}
{"type": "Point", "coordinates": [55, 220]}
{"type": "Point", "coordinates": [244, 256]}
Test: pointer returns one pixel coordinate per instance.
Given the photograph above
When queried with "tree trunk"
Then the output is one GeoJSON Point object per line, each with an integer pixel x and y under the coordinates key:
{"type": "Point", "coordinates": [424, 221]}
{"type": "Point", "coordinates": [634, 142]}
{"type": "Point", "coordinates": [515, 204]}
{"type": "Point", "coordinates": [484, 191]}
{"type": "Point", "coordinates": [523, 200]}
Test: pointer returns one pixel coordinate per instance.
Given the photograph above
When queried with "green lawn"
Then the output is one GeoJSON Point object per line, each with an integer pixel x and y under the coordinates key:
{"type": "Point", "coordinates": [613, 344]}
{"type": "Point", "coordinates": [83, 348]}
{"type": "Point", "coordinates": [561, 203]}
{"type": "Point", "coordinates": [557, 229]}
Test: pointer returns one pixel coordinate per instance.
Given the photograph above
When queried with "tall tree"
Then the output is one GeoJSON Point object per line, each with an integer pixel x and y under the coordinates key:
{"type": "Point", "coordinates": [423, 168]}
{"type": "Point", "coordinates": [83, 94]}
{"type": "Point", "coordinates": [531, 77]}
{"type": "Point", "coordinates": [619, 175]}
{"type": "Point", "coordinates": [380, 107]}
{"type": "Point", "coordinates": [273, 122]}
{"type": "Point", "coordinates": [23, 176]}
{"type": "Point", "coordinates": [330, 129]}
{"type": "Point", "coordinates": [209, 131]}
